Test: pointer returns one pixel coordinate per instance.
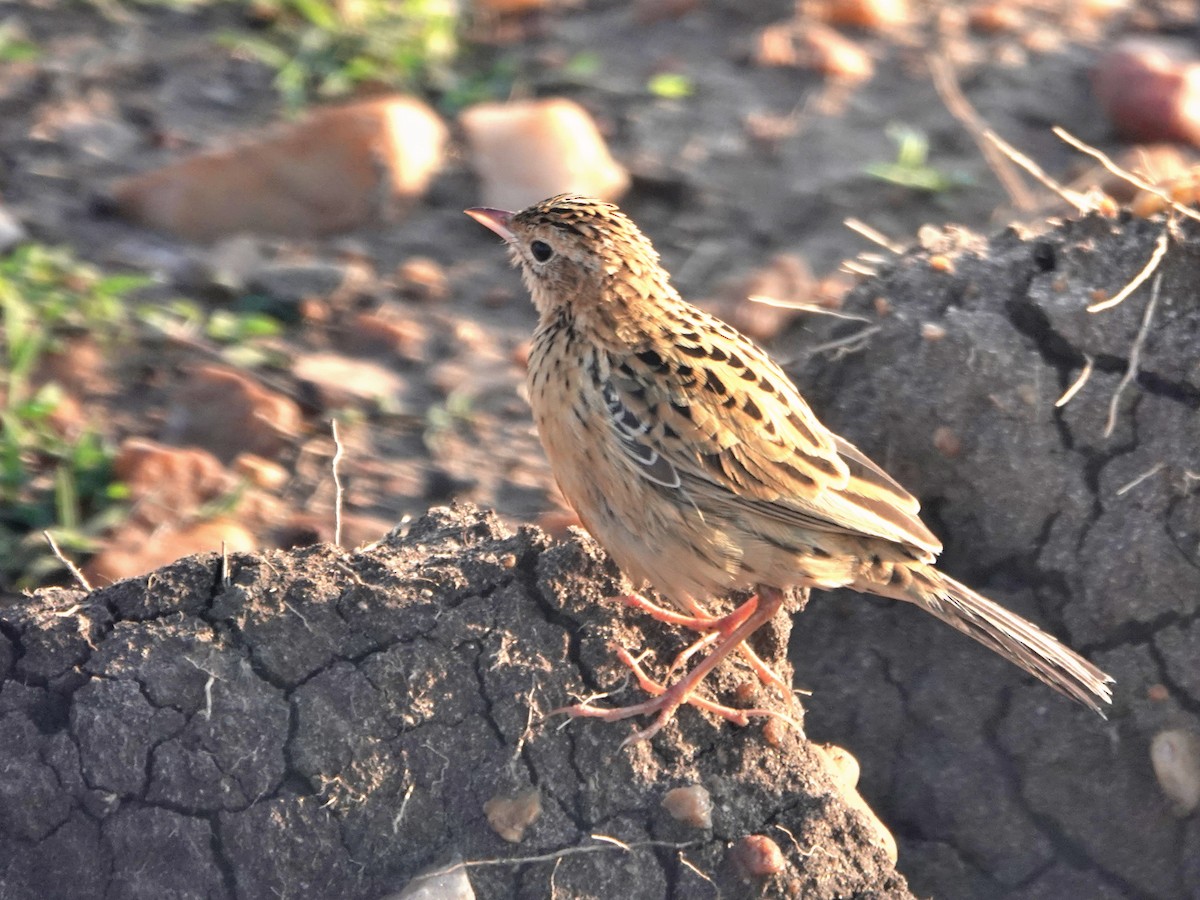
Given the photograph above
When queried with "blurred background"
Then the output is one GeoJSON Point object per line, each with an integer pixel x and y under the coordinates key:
{"type": "Point", "coordinates": [224, 226]}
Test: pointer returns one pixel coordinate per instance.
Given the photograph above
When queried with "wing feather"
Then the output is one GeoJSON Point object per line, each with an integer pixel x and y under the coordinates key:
{"type": "Point", "coordinates": [725, 420]}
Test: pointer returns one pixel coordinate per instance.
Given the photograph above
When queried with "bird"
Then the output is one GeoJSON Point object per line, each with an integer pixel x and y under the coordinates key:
{"type": "Point", "coordinates": [692, 458]}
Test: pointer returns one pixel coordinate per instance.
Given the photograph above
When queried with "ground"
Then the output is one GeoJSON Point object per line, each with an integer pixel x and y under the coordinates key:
{"type": "Point", "coordinates": [755, 163]}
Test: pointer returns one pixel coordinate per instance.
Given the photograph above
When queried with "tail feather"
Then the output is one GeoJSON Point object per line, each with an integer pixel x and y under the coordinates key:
{"type": "Point", "coordinates": [1009, 635]}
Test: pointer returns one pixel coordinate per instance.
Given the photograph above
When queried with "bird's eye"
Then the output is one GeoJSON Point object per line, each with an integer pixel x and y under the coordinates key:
{"type": "Point", "coordinates": [541, 250]}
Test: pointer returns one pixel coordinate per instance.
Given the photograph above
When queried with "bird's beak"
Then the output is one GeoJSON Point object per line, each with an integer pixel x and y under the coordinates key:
{"type": "Point", "coordinates": [496, 219]}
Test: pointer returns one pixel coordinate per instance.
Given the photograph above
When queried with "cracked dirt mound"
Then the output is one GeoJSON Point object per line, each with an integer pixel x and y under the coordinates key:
{"type": "Point", "coordinates": [319, 723]}
{"type": "Point", "coordinates": [994, 786]}
{"type": "Point", "coordinates": [327, 724]}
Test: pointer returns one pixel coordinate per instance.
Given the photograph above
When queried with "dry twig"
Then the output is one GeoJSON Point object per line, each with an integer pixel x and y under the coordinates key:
{"type": "Point", "coordinates": [71, 567]}
{"type": "Point", "coordinates": [1135, 353]}
{"type": "Point", "coordinates": [851, 343]}
{"type": "Point", "coordinates": [337, 484]}
{"type": "Point", "coordinates": [873, 234]}
{"type": "Point", "coordinates": [607, 843]}
{"type": "Point", "coordinates": [1149, 473]}
{"type": "Point", "coordinates": [691, 865]}
{"type": "Point", "coordinates": [813, 308]}
{"type": "Point", "coordinates": [857, 268]}
{"type": "Point", "coordinates": [1124, 174]}
{"type": "Point", "coordinates": [946, 85]}
{"type": "Point", "coordinates": [1088, 364]}
{"type": "Point", "coordinates": [1160, 250]}
{"type": "Point", "coordinates": [1081, 202]}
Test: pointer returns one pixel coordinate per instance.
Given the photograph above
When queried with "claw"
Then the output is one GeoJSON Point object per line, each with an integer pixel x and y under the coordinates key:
{"type": "Point", "coordinates": [725, 634]}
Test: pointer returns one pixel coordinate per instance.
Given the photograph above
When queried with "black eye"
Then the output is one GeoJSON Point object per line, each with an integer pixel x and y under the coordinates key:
{"type": "Point", "coordinates": [541, 250]}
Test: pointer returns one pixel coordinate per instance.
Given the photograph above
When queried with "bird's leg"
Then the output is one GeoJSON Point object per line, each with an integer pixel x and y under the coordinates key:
{"type": "Point", "coordinates": [716, 628]}
{"type": "Point", "coordinates": [761, 609]}
{"type": "Point", "coordinates": [699, 620]}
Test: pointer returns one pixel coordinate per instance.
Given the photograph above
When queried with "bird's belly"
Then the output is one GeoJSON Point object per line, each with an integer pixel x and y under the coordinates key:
{"type": "Point", "coordinates": [687, 548]}
{"type": "Point", "coordinates": [651, 532]}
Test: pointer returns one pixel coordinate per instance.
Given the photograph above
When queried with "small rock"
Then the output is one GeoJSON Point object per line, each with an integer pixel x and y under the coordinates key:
{"type": "Point", "coordinates": [1099, 10]}
{"type": "Point", "coordinates": [511, 815]}
{"type": "Point", "coordinates": [841, 763]}
{"type": "Point", "coordinates": [520, 354]}
{"type": "Point", "coordinates": [379, 332]}
{"type": "Point", "coordinates": [448, 882]}
{"type": "Point", "coordinates": [868, 15]}
{"type": "Point", "coordinates": [167, 483]}
{"type": "Point", "coordinates": [135, 551]}
{"type": "Point", "coordinates": [1158, 693]}
{"type": "Point", "coordinates": [691, 805]}
{"type": "Point", "coordinates": [88, 128]}
{"type": "Point", "coordinates": [230, 262]}
{"type": "Point", "coordinates": [830, 292]}
{"type": "Point", "coordinates": [421, 280]}
{"type": "Point", "coordinates": [1175, 756]}
{"type": "Point", "coordinates": [470, 337]}
{"type": "Point", "coordinates": [810, 45]}
{"type": "Point", "coordinates": [342, 167]}
{"type": "Point", "coordinates": [261, 472]}
{"type": "Point", "coordinates": [757, 857]}
{"type": "Point", "coordinates": [1157, 163]}
{"type": "Point", "coordinates": [1150, 89]}
{"type": "Point", "coordinates": [292, 282]}
{"type": "Point", "coordinates": [932, 332]}
{"type": "Point", "coordinates": [1183, 188]}
{"type": "Point", "coordinates": [941, 263]}
{"type": "Point", "coordinates": [530, 150]}
{"type": "Point", "coordinates": [996, 17]}
{"type": "Point", "coordinates": [844, 769]}
{"type": "Point", "coordinates": [227, 412]}
{"type": "Point", "coordinates": [345, 380]}
{"type": "Point", "coordinates": [947, 442]}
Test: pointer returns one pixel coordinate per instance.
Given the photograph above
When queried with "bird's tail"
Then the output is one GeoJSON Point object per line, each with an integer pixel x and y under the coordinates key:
{"type": "Point", "coordinates": [1014, 638]}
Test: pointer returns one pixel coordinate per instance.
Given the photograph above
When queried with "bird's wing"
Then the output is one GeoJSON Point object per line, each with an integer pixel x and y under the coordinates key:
{"type": "Point", "coordinates": [707, 410]}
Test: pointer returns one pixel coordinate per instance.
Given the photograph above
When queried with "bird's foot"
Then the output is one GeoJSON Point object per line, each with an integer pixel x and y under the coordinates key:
{"type": "Point", "coordinates": [664, 703]}
{"type": "Point", "coordinates": [716, 628]}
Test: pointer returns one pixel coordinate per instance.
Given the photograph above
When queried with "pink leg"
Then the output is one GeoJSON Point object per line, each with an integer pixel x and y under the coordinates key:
{"type": "Point", "coordinates": [716, 628]}
{"type": "Point", "coordinates": [698, 621]}
{"type": "Point", "coordinates": [751, 616]}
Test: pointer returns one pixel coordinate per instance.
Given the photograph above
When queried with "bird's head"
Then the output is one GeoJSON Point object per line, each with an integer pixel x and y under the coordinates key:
{"type": "Point", "coordinates": [578, 252]}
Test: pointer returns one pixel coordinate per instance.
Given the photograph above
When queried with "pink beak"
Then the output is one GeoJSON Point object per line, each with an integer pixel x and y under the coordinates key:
{"type": "Point", "coordinates": [495, 219]}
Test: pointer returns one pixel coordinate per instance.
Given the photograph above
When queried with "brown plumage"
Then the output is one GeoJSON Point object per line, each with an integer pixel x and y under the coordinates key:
{"type": "Point", "coordinates": [691, 456]}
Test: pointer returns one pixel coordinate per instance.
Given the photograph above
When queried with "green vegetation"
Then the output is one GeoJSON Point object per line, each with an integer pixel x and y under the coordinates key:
{"type": "Point", "coordinates": [14, 46]}
{"type": "Point", "coordinates": [911, 168]}
{"type": "Point", "coordinates": [53, 476]}
{"type": "Point", "coordinates": [670, 85]}
{"type": "Point", "coordinates": [56, 470]}
{"type": "Point", "coordinates": [321, 48]}
{"type": "Point", "coordinates": [455, 415]}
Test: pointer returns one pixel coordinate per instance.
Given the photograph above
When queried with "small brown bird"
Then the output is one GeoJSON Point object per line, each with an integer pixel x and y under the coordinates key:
{"type": "Point", "coordinates": [693, 459]}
